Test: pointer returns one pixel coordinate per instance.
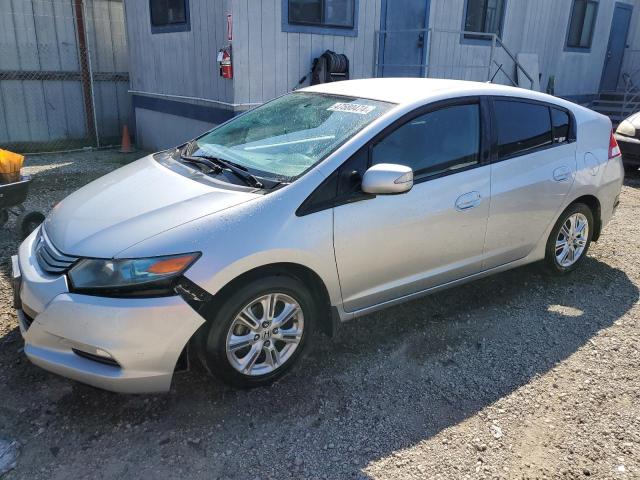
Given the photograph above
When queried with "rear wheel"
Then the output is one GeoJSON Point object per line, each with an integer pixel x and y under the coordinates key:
{"type": "Point", "coordinates": [569, 240]}
{"type": "Point", "coordinates": [259, 332]}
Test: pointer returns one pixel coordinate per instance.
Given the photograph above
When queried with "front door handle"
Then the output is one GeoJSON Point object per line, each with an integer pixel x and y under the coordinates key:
{"type": "Point", "coordinates": [468, 201]}
{"type": "Point", "coordinates": [561, 174]}
{"type": "Point", "coordinates": [420, 40]}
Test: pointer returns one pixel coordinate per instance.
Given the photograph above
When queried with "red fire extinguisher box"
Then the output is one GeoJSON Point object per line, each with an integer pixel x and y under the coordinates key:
{"type": "Point", "coordinates": [225, 61]}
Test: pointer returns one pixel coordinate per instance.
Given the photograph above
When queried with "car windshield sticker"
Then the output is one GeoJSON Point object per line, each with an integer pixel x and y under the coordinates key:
{"type": "Point", "coordinates": [352, 108]}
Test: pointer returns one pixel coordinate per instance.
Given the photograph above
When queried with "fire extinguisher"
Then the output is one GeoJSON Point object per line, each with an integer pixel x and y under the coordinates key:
{"type": "Point", "coordinates": [224, 58]}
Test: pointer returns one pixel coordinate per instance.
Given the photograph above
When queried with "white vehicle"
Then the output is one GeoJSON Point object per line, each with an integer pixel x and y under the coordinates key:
{"type": "Point", "coordinates": [318, 207]}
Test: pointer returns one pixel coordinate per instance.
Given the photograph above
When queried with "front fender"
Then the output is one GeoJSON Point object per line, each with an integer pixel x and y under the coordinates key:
{"type": "Point", "coordinates": [251, 235]}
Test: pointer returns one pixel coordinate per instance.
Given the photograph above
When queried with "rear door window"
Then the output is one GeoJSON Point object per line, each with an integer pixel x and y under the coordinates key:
{"type": "Point", "coordinates": [561, 125]}
{"type": "Point", "coordinates": [522, 127]}
{"type": "Point", "coordinates": [438, 142]}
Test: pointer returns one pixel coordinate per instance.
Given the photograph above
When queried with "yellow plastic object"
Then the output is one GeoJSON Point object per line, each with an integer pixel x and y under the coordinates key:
{"type": "Point", "coordinates": [10, 165]}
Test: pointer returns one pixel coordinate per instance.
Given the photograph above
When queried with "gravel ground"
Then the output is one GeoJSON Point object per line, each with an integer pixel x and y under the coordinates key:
{"type": "Point", "coordinates": [515, 376]}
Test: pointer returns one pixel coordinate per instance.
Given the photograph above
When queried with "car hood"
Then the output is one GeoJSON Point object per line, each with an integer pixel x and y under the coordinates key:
{"type": "Point", "coordinates": [131, 204]}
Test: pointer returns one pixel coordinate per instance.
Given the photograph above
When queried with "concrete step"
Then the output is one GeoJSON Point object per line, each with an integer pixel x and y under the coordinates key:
{"type": "Point", "coordinates": [616, 117]}
{"type": "Point", "coordinates": [612, 103]}
{"type": "Point", "coordinates": [611, 112]}
{"type": "Point", "coordinates": [611, 96]}
{"type": "Point", "coordinates": [616, 108]}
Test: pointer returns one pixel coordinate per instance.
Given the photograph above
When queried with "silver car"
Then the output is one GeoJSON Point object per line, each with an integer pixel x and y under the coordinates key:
{"type": "Point", "coordinates": [320, 206]}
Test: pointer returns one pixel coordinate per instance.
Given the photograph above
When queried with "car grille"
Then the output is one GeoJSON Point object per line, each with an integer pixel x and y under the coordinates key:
{"type": "Point", "coordinates": [50, 259]}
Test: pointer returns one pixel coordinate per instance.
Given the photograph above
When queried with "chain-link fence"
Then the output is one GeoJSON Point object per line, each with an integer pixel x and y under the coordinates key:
{"type": "Point", "coordinates": [63, 74]}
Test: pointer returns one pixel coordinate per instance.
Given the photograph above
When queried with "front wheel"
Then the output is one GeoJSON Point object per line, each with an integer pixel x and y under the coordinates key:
{"type": "Point", "coordinates": [569, 240]}
{"type": "Point", "coordinates": [258, 332]}
{"type": "Point", "coordinates": [27, 222]}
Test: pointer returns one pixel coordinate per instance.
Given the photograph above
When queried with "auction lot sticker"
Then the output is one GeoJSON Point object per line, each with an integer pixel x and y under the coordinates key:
{"type": "Point", "coordinates": [352, 108]}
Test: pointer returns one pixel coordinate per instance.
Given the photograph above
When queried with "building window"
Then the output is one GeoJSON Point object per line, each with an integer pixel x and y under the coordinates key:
{"type": "Point", "coordinates": [328, 13]}
{"type": "Point", "coordinates": [169, 15]}
{"type": "Point", "coordinates": [582, 23]}
{"type": "Point", "coordinates": [485, 16]}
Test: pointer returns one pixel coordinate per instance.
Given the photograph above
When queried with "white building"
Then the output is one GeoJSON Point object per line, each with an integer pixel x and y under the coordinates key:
{"type": "Point", "coordinates": [580, 48]}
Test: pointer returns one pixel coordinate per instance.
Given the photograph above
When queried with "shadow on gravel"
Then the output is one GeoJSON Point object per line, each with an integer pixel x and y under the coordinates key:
{"type": "Point", "coordinates": [389, 381]}
{"type": "Point", "coordinates": [632, 179]}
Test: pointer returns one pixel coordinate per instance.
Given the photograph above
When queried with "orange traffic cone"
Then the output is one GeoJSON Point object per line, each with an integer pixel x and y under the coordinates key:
{"type": "Point", "coordinates": [125, 146]}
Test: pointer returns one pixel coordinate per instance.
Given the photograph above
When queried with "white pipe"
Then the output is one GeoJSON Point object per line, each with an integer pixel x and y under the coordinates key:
{"type": "Point", "coordinates": [198, 99]}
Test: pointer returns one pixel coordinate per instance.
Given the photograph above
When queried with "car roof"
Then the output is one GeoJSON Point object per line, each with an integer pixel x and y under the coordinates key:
{"type": "Point", "coordinates": [411, 90]}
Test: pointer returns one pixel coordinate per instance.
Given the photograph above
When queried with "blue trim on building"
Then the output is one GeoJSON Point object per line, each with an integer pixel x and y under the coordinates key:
{"type": "Point", "coordinates": [567, 48]}
{"type": "Point", "coordinates": [173, 27]}
{"type": "Point", "coordinates": [204, 113]}
{"type": "Point", "coordinates": [481, 41]}
{"type": "Point", "coordinates": [320, 29]}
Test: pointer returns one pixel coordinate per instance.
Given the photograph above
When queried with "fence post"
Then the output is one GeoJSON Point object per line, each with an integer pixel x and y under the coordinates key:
{"type": "Point", "coordinates": [91, 81]}
{"type": "Point", "coordinates": [86, 75]}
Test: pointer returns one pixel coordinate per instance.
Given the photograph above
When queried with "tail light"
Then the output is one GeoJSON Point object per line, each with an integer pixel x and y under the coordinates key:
{"type": "Point", "coordinates": [614, 149]}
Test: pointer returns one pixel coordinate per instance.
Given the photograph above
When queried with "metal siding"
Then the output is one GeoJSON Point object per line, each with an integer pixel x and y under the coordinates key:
{"type": "Point", "coordinates": [532, 27]}
{"type": "Point", "coordinates": [240, 51]}
{"type": "Point", "coordinates": [269, 62]}
{"type": "Point", "coordinates": [256, 56]}
{"type": "Point", "coordinates": [39, 35]}
{"type": "Point", "coordinates": [631, 61]}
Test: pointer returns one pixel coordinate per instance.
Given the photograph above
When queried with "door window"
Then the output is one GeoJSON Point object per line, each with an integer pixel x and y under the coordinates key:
{"type": "Point", "coordinates": [435, 143]}
{"type": "Point", "coordinates": [522, 127]}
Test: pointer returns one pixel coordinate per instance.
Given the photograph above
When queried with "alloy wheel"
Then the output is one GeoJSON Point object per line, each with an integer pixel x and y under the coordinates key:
{"type": "Point", "coordinates": [264, 334]}
{"type": "Point", "coordinates": [572, 240]}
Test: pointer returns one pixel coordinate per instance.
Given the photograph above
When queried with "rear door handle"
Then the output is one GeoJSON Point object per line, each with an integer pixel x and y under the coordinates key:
{"type": "Point", "coordinates": [468, 200]}
{"type": "Point", "coordinates": [561, 174]}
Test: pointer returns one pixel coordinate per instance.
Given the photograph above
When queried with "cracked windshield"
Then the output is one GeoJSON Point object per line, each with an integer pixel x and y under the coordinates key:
{"type": "Point", "coordinates": [284, 138]}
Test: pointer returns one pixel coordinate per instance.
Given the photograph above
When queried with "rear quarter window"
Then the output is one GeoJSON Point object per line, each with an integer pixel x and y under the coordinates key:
{"type": "Point", "coordinates": [522, 127]}
{"type": "Point", "coordinates": [561, 125]}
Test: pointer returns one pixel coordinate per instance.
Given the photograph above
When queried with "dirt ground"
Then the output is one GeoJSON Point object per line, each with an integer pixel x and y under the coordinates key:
{"type": "Point", "coordinates": [519, 375]}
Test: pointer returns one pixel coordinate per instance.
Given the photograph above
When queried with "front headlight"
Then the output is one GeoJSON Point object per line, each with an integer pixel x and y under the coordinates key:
{"type": "Point", "coordinates": [145, 276]}
{"type": "Point", "coordinates": [626, 128]}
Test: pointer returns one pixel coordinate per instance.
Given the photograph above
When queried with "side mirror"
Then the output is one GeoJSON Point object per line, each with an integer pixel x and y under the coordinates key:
{"type": "Point", "coordinates": [387, 178]}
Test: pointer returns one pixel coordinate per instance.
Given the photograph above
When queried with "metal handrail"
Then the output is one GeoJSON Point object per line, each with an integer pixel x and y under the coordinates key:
{"type": "Point", "coordinates": [496, 41]}
{"type": "Point", "coordinates": [517, 64]}
{"type": "Point", "coordinates": [631, 93]}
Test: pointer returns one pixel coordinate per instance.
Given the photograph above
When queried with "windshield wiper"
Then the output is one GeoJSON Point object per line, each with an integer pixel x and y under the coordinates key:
{"type": "Point", "coordinates": [202, 161]}
{"type": "Point", "coordinates": [217, 164]}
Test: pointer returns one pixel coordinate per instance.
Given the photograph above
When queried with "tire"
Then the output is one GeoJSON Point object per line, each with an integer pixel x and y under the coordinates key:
{"type": "Point", "coordinates": [630, 169]}
{"type": "Point", "coordinates": [225, 327]}
{"type": "Point", "coordinates": [563, 259]}
{"type": "Point", "coordinates": [4, 216]}
{"type": "Point", "coordinates": [27, 222]}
